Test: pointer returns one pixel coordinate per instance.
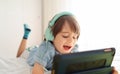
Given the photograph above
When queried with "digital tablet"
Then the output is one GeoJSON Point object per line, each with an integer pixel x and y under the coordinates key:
{"type": "Point", "coordinates": [88, 62]}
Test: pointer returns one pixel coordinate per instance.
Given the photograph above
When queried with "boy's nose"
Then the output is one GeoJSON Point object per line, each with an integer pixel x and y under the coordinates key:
{"type": "Point", "coordinates": [70, 40]}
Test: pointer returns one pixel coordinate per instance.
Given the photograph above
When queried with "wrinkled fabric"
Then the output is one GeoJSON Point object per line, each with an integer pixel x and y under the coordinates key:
{"type": "Point", "coordinates": [14, 66]}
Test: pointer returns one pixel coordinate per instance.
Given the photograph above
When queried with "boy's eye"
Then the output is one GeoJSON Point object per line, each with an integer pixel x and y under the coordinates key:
{"type": "Point", "coordinates": [65, 36]}
{"type": "Point", "coordinates": [68, 36]}
{"type": "Point", "coordinates": [74, 37]}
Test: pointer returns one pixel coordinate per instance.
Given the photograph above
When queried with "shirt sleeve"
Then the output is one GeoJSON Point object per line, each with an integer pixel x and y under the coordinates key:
{"type": "Point", "coordinates": [42, 55]}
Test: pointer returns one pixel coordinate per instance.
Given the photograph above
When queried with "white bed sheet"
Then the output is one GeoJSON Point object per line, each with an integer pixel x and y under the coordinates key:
{"type": "Point", "coordinates": [14, 66]}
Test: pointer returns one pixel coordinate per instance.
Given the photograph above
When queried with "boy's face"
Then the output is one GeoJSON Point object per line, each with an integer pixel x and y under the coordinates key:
{"type": "Point", "coordinates": [65, 40]}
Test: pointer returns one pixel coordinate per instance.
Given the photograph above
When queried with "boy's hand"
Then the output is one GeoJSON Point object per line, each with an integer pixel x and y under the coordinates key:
{"type": "Point", "coordinates": [114, 71]}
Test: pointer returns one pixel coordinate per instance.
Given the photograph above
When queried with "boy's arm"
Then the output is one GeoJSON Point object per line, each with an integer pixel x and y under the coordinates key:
{"type": "Point", "coordinates": [37, 69]}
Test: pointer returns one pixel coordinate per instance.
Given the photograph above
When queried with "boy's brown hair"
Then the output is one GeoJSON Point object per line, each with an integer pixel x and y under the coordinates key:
{"type": "Point", "coordinates": [74, 26]}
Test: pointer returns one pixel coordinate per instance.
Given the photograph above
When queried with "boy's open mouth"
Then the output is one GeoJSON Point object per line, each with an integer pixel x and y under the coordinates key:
{"type": "Point", "coordinates": [66, 47]}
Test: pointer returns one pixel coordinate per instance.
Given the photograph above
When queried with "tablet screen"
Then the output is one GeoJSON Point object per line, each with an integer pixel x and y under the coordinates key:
{"type": "Point", "coordinates": [77, 67]}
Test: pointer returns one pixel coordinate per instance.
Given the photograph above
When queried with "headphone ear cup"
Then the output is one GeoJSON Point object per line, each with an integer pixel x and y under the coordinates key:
{"type": "Point", "coordinates": [48, 34]}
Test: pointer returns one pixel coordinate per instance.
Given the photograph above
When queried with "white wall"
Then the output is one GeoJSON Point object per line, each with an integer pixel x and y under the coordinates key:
{"type": "Point", "coordinates": [13, 14]}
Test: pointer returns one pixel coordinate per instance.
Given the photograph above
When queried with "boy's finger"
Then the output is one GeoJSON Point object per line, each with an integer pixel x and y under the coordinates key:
{"type": "Point", "coordinates": [114, 70]}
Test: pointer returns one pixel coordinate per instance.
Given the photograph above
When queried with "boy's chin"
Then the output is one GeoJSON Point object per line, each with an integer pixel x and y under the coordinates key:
{"type": "Point", "coordinates": [66, 52]}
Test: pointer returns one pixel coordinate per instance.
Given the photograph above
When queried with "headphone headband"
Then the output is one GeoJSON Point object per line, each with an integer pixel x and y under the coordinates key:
{"type": "Point", "coordinates": [57, 16]}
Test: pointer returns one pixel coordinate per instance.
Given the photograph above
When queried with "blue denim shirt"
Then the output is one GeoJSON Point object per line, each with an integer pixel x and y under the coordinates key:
{"type": "Point", "coordinates": [44, 54]}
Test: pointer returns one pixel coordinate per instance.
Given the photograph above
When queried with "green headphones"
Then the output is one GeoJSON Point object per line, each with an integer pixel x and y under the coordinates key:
{"type": "Point", "coordinates": [48, 34]}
